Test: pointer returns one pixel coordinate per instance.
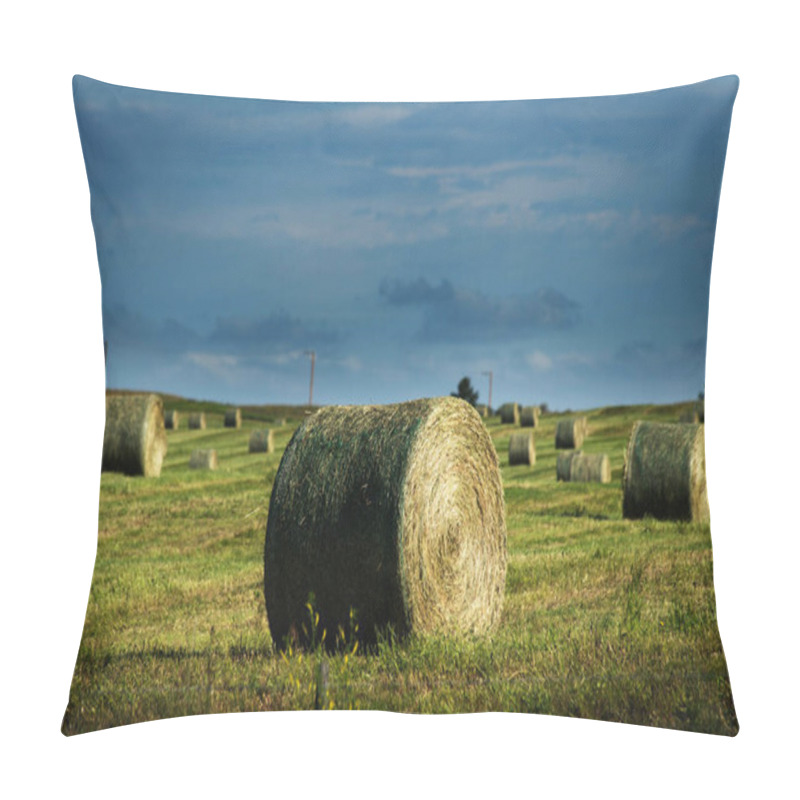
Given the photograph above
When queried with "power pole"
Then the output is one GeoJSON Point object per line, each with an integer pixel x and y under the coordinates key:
{"type": "Point", "coordinates": [491, 375]}
{"type": "Point", "coordinates": [311, 386]}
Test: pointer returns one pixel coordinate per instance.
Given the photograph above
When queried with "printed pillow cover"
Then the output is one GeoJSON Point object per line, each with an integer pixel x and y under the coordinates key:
{"type": "Point", "coordinates": [404, 407]}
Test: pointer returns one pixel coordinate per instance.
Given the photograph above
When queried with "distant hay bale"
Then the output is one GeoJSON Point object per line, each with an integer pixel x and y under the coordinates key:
{"type": "Point", "coordinates": [171, 420]}
{"type": "Point", "coordinates": [233, 418]}
{"type": "Point", "coordinates": [134, 441]}
{"type": "Point", "coordinates": [521, 449]}
{"type": "Point", "coordinates": [395, 511]}
{"type": "Point", "coordinates": [262, 441]}
{"type": "Point", "coordinates": [509, 414]}
{"type": "Point", "coordinates": [570, 433]}
{"type": "Point", "coordinates": [665, 472]}
{"type": "Point", "coordinates": [690, 415]}
{"type": "Point", "coordinates": [482, 409]}
{"type": "Point", "coordinates": [197, 422]}
{"type": "Point", "coordinates": [203, 459]}
{"type": "Point", "coordinates": [529, 416]}
{"type": "Point", "coordinates": [590, 468]}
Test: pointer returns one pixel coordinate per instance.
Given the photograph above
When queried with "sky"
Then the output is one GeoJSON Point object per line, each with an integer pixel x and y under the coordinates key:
{"type": "Point", "coordinates": [563, 245]}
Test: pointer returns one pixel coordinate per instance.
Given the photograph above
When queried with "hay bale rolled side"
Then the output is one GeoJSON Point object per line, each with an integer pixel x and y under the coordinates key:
{"type": "Point", "coordinates": [262, 441]}
{"type": "Point", "coordinates": [590, 468]}
{"type": "Point", "coordinates": [203, 459]}
{"type": "Point", "coordinates": [521, 449]}
{"type": "Point", "coordinates": [134, 441]}
{"type": "Point", "coordinates": [665, 472]}
{"type": "Point", "coordinates": [171, 420]}
{"type": "Point", "coordinates": [509, 413]}
{"type": "Point", "coordinates": [529, 417]}
{"type": "Point", "coordinates": [233, 418]}
{"type": "Point", "coordinates": [197, 422]}
{"type": "Point", "coordinates": [395, 511]}
{"type": "Point", "coordinates": [563, 464]}
{"type": "Point", "coordinates": [570, 433]}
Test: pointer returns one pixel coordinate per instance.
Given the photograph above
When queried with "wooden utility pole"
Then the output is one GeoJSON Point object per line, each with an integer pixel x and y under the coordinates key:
{"type": "Point", "coordinates": [311, 386]}
{"type": "Point", "coordinates": [491, 375]}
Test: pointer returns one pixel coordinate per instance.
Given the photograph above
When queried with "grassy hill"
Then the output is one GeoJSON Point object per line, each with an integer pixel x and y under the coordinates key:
{"type": "Point", "coordinates": [604, 618]}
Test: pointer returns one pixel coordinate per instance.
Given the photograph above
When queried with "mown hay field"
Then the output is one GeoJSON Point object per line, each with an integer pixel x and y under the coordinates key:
{"type": "Point", "coordinates": [604, 618]}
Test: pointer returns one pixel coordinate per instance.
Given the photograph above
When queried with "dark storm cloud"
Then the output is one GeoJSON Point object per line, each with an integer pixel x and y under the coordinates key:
{"type": "Point", "coordinates": [121, 326]}
{"type": "Point", "coordinates": [418, 292]}
{"type": "Point", "coordinates": [240, 336]}
{"type": "Point", "coordinates": [279, 329]}
{"type": "Point", "coordinates": [454, 314]}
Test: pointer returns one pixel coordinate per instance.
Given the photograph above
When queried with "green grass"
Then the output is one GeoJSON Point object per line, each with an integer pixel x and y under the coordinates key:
{"type": "Point", "coordinates": [604, 618]}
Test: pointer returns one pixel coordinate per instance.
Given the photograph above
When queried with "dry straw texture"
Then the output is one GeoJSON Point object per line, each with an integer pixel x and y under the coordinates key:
{"type": "Point", "coordinates": [197, 422]}
{"type": "Point", "coordinates": [563, 464]}
{"type": "Point", "coordinates": [529, 417]}
{"type": "Point", "coordinates": [171, 420]}
{"type": "Point", "coordinates": [509, 414]}
{"type": "Point", "coordinates": [590, 468]}
{"type": "Point", "coordinates": [262, 441]}
{"type": "Point", "coordinates": [395, 511]}
{"type": "Point", "coordinates": [570, 433]}
{"type": "Point", "coordinates": [233, 418]}
{"type": "Point", "coordinates": [134, 441]}
{"type": "Point", "coordinates": [203, 459]}
{"type": "Point", "coordinates": [665, 472]}
{"type": "Point", "coordinates": [521, 449]}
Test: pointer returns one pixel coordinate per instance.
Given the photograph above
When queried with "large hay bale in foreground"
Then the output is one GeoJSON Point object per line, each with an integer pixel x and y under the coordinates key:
{"type": "Point", "coordinates": [233, 418]}
{"type": "Point", "coordinates": [570, 433]}
{"type": "Point", "coordinates": [395, 511]}
{"type": "Point", "coordinates": [521, 449]}
{"type": "Point", "coordinates": [665, 472]}
{"type": "Point", "coordinates": [134, 441]}
{"type": "Point", "coordinates": [197, 422]}
{"type": "Point", "coordinates": [590, 468]}
{"type": "Point", "coordinates": [262, 441]}
{"type": "Point", "coordinates": [203, 459]}
{"type": "Point", "coordinates": [563, 464]}
{"type": "Point", "coordinates": [509, 414]}
{"type": "Point", "coordinates": [529, 416]}
{"type": "Point", "coordinates": [171, 420]}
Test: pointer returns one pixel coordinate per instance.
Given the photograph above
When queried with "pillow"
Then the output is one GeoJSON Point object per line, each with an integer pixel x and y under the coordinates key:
{"type": "Point", "coordinates": [404, 407]}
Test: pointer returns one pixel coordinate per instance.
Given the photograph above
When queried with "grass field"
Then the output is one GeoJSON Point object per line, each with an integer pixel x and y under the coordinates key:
{"type": "Point", "coordinates": [604, 618]}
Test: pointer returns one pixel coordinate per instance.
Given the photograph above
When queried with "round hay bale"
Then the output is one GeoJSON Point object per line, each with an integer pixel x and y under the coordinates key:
{"type": "Point", "coordinates": [394, 511]}
{"type": "Point", "coordinates": [521, 449]}
{"type": "Point", "coordinates": [529, 416]}
{"type": "Point", "coordinates": [665, 472]}
{"type": "Point", "coordinates": [509, 414]}
{"type": "Point", "coordinates": [563, 464]}
{"type": "Point", "coordinates": [570, 433]}
{"type": "Point", "coordinates": [203, 459]}
{"type": "Point", "coordinates": [233, 418]}
{"type": "Point", "coordinates": [262, 441]}
{"type": "Point", "coordinates": [134, 441]}
{"type": "Point", "coordinates": [197, 422]}
{"type": "Point", "coordinates": [171, 420]}
{"type": "Point", "coordinates": [590, 468]}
